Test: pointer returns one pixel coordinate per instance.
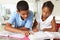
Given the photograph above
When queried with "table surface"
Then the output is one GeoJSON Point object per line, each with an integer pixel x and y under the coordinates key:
{"type": "Point", "coordinates": [56, 34]}
{"type": "Point", "coordinates": [8, 38]}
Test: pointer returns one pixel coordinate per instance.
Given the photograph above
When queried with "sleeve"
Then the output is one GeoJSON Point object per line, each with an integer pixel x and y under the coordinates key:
{"type": "Point", "coordinates": [29, 22]}
{"type": "Point", "coordinates": [12, 18]}
{"type": "Point", "coordinates": [50, 18]}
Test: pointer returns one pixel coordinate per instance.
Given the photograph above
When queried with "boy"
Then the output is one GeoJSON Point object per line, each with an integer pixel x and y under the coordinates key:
{"type": "Point", "coordinates": [22, 19]}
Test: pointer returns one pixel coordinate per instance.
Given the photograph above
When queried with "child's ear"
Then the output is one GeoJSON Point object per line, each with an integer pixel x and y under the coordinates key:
{"type": "Point", "coordinates": [17, 10]}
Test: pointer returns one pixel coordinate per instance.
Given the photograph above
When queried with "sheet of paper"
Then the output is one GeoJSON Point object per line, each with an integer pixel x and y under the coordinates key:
{"type": "Point", "coordinates": [4, 33]}
{"type": "Point", "coordinates": [16, 35]}
{"type": "Point", "coordinates": [56, 34]}
{"type": "Point", "coordinates": [10, 34]}
{"type": "Point", "coordinates": [49, 34]}
{"type": "Point", "coordinates": [39, 35]}
{"type": "Point", "coordinates": [53, 34]}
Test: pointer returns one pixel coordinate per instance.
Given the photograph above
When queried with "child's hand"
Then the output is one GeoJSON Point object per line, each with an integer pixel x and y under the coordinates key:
{"type": "Point", "coordinates": [35, 30]}
{"type": "Point", "coordinates": [27, 33]}
{"type": "Point", "coordinates": [22, 32]}
{"type": "Point", "coordinates": [44, 29]}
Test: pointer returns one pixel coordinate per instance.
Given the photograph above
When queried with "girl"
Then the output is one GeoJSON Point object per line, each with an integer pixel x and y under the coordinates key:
{"type": "Point", "coordinates": [46, 20]}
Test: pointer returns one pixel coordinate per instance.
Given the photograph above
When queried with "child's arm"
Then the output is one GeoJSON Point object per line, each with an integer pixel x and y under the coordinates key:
{"type": "Point", "coordinates": [9, 27]}
{"type": "Point", "coordinates": [34, 28]}
{"type": "Point", "coordinates": [53, 29]}
{"type": "Point", "coordinates": [24, 29]}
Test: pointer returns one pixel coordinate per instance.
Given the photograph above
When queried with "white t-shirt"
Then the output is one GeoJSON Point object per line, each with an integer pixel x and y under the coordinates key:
{"type": "Point", "coordinates": [46, 23]}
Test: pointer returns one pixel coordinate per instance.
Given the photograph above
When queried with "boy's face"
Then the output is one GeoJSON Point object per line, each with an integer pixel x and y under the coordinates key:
{"type": "Point", "coordinates": [46, 12]}
{"type": "Point", "coordinates": [24, 13]}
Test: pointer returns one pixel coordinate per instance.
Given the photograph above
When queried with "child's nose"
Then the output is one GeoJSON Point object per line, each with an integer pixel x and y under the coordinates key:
{"type": "Point", "coordinates": [25, 16]}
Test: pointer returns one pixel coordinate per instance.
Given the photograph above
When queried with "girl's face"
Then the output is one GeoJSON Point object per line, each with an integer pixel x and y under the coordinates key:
{"type": "Point", "coordinates": [45, 12]}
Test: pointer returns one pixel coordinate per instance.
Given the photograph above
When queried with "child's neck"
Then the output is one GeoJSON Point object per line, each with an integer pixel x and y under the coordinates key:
{"type": "Point", "coordinates": [22, 18]}
{"type": "Point", "coordinates": [43, 18]}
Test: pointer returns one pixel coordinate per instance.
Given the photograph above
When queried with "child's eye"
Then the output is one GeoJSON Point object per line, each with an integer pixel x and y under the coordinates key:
{"type": "Point", "coordinates": [23, 14]}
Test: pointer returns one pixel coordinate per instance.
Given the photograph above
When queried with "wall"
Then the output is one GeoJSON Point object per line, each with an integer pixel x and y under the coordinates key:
{"type": "Point", "coordinates": [56, 11]}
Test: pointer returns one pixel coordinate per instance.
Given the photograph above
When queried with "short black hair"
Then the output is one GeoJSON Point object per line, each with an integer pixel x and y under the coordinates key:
{"type": "Point", "coordinates": [48, 4]}
{"type": "Point", "coordinates": [22, 5]}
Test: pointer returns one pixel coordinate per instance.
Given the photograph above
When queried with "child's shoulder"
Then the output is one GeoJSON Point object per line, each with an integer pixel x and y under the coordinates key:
{"type": "Point", "coordinates": [14, 14]}
{"type": "Point", "coordinates": [50, 18]}
{"type": "Point", "coordinates": [31, 13]}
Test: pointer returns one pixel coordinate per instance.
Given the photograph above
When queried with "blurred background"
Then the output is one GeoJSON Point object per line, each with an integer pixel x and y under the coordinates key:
{"type": "Point", "coordinates": [9, 6]}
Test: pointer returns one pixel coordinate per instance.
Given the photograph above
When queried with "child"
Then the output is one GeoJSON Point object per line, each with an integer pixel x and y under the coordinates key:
{"type": "Point", "coordinates": [22, 19]}
{"type": "Point", "coordinates": [46, 20]}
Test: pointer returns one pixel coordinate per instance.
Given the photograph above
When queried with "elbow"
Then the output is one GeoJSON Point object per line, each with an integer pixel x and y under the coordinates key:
{"type": "Point", "coordinates": [54, 30]}
{"type": "Point", "coordinates": [5, 28]}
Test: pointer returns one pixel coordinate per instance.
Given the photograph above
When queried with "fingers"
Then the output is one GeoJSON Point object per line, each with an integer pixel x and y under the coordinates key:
{"type": "Point", "coordinates": [35, 30]}
{"type": "Point", "coordinates": [27, 33]}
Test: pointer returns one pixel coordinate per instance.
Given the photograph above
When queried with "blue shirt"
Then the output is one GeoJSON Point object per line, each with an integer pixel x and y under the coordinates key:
{"type": "Point", "coordinates": [15, 19]}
